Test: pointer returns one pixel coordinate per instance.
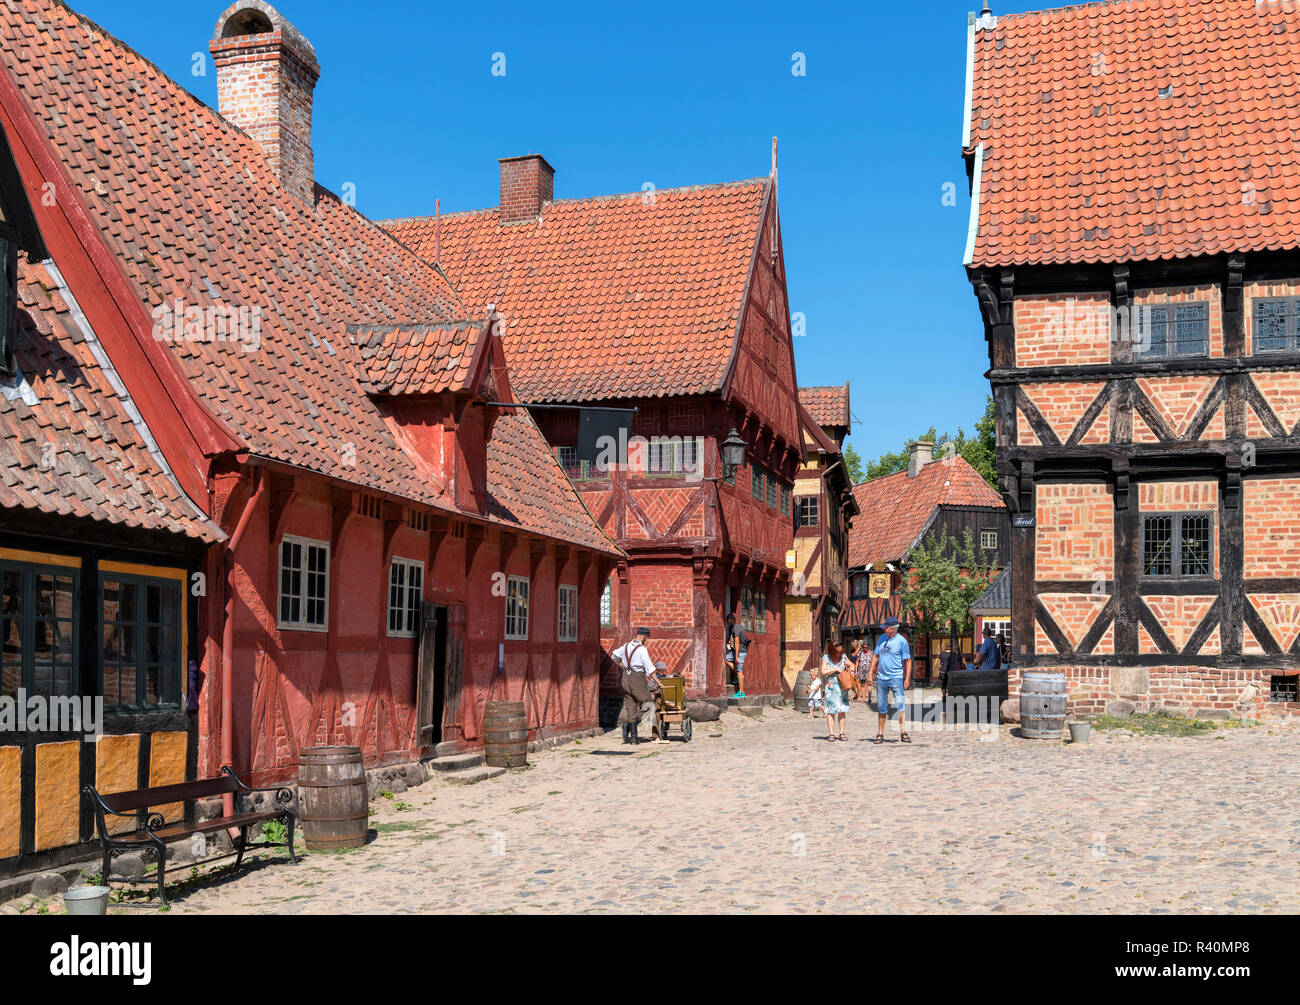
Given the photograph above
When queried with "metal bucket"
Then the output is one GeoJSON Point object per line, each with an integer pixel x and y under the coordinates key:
{"type": "Point", "coordinates": [1043, 703]}
{"type": "Point", "coordinates": [1079, 732]}
{"type": "Point", "coordinates": [87, 900]}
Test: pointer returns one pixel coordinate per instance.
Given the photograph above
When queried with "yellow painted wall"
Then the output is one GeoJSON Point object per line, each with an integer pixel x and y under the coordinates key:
{"type": "Point", "coordinates": [117, 765]}
{"type": "Point", "coordinates": [167, 767]}
{"type": "Point", "coordinates": [796, 619]}
{"type": "Point", "coordinates": [11, 800]}
{"type": "Point", "coordinates": [58, 794]}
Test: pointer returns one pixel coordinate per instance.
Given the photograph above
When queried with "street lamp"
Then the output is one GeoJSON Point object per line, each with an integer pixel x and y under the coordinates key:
{"type": "Point", "coordinates": [733, 454]}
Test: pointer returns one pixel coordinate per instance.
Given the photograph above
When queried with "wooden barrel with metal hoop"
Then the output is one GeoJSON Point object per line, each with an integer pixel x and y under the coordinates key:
{"type": "Point", "coordinates": [1043, 704]}
{"type": "Point", "coordinates": [802, 685]}
{"type": "Point", "coordinates": [505, 734]}
{"type": "Point", "coordinates": [332, 797]}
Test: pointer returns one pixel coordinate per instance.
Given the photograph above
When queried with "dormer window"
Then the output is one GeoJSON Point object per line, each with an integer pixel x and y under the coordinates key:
{"type": "Point", "coordinates": [8, 295]}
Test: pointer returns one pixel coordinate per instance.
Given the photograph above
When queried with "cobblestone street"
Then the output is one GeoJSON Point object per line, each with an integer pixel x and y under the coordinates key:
{"type": "Point", "coordinates": [766, 816]}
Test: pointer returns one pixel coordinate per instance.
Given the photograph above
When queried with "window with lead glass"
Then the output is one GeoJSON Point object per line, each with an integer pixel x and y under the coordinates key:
{"type": "Point", "coordinates": [1170, 330]}
{"type": "Point", "coordinates": [38, 629]}
{"type": "Point", "coordinates": [140, 641]}
{"type": "Point", "coordinates": [1178, 545]}
{"type": "Point", "coordinates": [1276, 325]}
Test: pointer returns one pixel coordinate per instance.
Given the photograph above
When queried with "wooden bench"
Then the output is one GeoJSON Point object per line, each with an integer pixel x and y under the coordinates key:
{"type": "Point", "coordinates": [156, 833]}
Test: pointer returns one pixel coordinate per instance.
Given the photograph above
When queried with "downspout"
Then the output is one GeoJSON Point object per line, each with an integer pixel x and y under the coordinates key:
{"type": "Point", "coordinates": [825, 587]}
{"type": "Point", "coordinates": [228, 639]}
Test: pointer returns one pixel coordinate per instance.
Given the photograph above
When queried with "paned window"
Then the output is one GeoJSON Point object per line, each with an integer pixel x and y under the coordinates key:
{"type": "Point", "coordinates": [140, 641]}
{"type": "Point", "coordinates": [304, 584]}
{"type": "Point", "coordinates": [1276, 325]}
{"type": "Point", "coordinates": [38, 629]}
{"type": "Point", "coordinates": [568, 614]}
{"type": "Point", "coordinates": [808, 511]}
{"type": "Point", "coordinates": [517, 608]}
{"type": "Point", "coordinates": [405, 593]}
{"type": "Point", "coordinates": [1178, 545]}
{"type": "Point", "coordinates": [1172, 330]}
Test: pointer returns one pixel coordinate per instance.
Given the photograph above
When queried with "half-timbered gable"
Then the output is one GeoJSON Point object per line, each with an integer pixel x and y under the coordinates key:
{"type": "Point", "coordinates": [673, 303]}
{"type": "Point", "coordinates": [1134, 251]}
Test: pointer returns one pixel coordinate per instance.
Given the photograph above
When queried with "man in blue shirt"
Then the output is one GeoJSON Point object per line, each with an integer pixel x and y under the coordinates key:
{"type": "Point", "coordinates": [892, 661]}
{"type": "Point", "coordinates": [990, 656]}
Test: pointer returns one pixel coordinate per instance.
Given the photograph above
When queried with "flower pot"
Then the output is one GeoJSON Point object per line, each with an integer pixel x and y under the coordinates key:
{"type": "Point", "coordinates": [1079, 732]}
{"type": "Point", "coordinates": [87, 900]}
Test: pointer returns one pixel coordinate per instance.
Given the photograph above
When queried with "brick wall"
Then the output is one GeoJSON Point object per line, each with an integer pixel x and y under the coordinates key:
{"type": "Point", "coordinates": [1075, 535]}
{"type": "Point", "coordinates": [1062, 405]}
{"type": "Point", "coordinates": [1281, 389]}
{"type": "Point", "coordinates": [1177, 400]}
{"type": "Point", "coordinates": [1062, 330]}
{"type": "Point", "coordinates": [1189, 689]}
{"type": "Point", "coordinates": [1271, 515]}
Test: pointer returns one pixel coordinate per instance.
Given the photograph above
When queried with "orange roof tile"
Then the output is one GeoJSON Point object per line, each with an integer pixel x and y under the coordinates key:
{"type": "Point", "coordinates": [828, 406]}
{"type": "Point", "coordinates": [1133, 130]}
{"type": "Point", "coordinates": [416, 359]}
{"type": "Point", "coordinates": [894, 510]}
{"type": "Point", "coordinates": [624, 296]}
{"type": "Point", "coordinates": [72, 445]}
{"type": "Point", "coordinates": [193, 211]}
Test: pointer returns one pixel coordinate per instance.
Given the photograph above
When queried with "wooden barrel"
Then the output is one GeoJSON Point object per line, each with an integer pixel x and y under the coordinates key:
{"type": "Point", "coordinates": [802, 685]}
{"type": "Point", "coordinates": [1043, 703]}
{"type": "Point", "coordinates": [332, 797]}
{"type": "Point", "coordinates": [505, 734]}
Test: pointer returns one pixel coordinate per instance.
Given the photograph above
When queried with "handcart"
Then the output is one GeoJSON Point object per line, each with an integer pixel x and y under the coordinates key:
{"type": "Point", "coordinates": [670, 708]}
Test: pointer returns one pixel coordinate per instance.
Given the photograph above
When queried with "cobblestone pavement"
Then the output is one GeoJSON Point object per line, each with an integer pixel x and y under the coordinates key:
{"type": "Point", "coordinates": [766, 816]}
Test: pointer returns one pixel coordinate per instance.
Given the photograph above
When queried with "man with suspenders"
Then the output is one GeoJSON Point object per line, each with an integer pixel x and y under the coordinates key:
{"type": "Point", "coordinates": [640, 683]}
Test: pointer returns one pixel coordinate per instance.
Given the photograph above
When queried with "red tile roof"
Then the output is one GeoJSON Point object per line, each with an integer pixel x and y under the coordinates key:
{"type": "Point", "coordinates": [896, 509]}
{"type": "Point", "coordinates": [828, 406]}
{"type": "Point", "coordinates": [191, 209]}
{"type": "Point", "coordinates": [625, 296]}
{"type": "Point", "coordinates": [71, 443]}
{"type": "Point", "coordinates": [418, 359]}
{"type": "Point", "coordinates": [1138, 129]}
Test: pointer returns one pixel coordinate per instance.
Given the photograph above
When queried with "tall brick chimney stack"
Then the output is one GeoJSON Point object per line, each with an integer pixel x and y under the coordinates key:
{"type": "Point", "coordinates": [527, 184]}
{"type": "Point", "coordinates": [266, 74]}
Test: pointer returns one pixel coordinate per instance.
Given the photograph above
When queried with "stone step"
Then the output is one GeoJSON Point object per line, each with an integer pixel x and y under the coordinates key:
{"type": "Point", "coordinates": [473, 775]}
{"type": "Point", "coordinates": [455, 762]}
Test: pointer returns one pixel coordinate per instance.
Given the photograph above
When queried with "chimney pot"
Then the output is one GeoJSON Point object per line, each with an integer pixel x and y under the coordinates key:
{"type": "Point", "coordinates": [920, 454]}
{"type": "Point", "coordinates": [266, 76]}
{"type": "Point", "coordinates": [527, 184]}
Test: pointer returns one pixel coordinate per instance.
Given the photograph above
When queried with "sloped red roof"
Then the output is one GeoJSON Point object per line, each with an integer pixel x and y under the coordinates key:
{"type": "Point", "coordinates": [1137, 129]}
{"type": "Point", "coordinates": [71, 445]}
{"type": "Point", "coordinates": [895, 509]}
{"type": "Point", "coordinates": [625, 296]}
{"type": "Point", "coordinates": [828, 406]}
{"type": "Point", "coordinates": [191, 209]}
{"type": "Point", "coordinates": [417, 359]}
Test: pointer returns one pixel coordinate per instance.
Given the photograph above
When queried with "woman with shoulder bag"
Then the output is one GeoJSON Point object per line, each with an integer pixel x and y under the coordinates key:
{"type": "Point", "coordinates": [836, 676]}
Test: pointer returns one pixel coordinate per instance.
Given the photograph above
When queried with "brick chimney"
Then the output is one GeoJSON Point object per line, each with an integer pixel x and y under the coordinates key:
{"type": "Point", "coordinates": [266, 73]}
{"type": "Point", "coordinates": [920, 454]}
{"type": "Point", "coordinates": [527, 184]}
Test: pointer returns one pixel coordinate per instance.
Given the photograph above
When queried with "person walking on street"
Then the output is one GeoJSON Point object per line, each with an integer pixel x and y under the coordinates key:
{"type": "Point", "coordinates": [989, 656]}
{"type": "Point", "coordinates": [891, 671]}
{"type": "Point", "coordinates": [640, 684]}
{"type": "Point", "coordinates": [737, 646]}
{"type": "Point", "coordinates": [863, 670]}
{"type": "Point", "coordinates": [837, 700]}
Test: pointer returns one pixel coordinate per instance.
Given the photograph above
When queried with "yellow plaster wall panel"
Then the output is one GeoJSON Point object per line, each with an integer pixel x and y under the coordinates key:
{"type": "Point", "coordinates": [117, 766]}
{"type": "Point", "coordinates": [11, 800]}
{"type": "Point", "coordinates": [58, 795]}
{"type": "Point", "coordinates": [167, 767]}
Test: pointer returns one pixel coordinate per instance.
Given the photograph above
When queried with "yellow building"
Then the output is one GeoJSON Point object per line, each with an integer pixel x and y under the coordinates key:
{"type": "Point", "coordinates": [823, 509]}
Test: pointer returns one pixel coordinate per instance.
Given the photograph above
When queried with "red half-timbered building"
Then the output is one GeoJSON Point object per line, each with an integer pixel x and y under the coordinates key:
{"type": "Point", "coordinates": [672, 302]}
{"type": "Point", "coordinates": [264, 484]}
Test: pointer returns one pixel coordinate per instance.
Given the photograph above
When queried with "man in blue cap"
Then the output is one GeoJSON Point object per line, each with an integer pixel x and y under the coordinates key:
{"type": "Point", "coordinates": [891, 670]}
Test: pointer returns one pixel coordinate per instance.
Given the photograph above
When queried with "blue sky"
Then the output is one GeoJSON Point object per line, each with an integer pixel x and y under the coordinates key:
{"type": "Point", "coordinates": [615, 96]}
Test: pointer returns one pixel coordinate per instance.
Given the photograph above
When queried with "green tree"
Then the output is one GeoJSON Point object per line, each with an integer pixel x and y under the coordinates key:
{"type": "Point", "coordinates": [853, 465]}
{"type": "Point", "coordinates": [979, 450]}
{"type": "Point", "coordinates": [944, 576]}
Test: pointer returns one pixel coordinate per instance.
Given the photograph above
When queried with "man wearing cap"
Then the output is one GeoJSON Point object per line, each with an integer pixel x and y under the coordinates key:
{"type": "Point", "coordinates": [892, 661]}
{"type": "Point", "coordinates": [640, 683]}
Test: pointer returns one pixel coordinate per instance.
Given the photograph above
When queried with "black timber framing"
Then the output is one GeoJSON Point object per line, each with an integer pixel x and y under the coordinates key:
{"type": "Point", "coordinates": [1123, 465]}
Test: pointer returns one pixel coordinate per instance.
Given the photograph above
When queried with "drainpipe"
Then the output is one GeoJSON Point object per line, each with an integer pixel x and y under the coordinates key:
{"type": "Point", "coordinates": [228, 640]}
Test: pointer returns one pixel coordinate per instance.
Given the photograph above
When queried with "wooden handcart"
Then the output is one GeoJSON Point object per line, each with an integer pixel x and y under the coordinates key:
{"type": "Point", "coordinates": [670, 708]}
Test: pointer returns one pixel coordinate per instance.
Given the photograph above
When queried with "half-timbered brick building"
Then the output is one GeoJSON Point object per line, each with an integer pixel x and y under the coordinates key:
{"type": "Point", "coordinates": [1135, 251]}
{"type": "Point", "coordinates": [263, 484]}
{"type": "Point", "coordinates": [672, 302]}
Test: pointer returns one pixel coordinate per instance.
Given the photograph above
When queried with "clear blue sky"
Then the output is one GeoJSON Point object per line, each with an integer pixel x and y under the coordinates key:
{"type": "Point", "coordinates": [616, 95]}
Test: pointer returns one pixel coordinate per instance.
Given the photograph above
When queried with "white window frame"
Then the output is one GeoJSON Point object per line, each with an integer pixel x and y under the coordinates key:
{"type": "Point", "coordinates": [988, 540]}
{"type": "Point", "coordinates": [408, 613]}
{"type": "Point", "coordinates": [607, 604]}
{"type": "Point", "coordinates": [513, 612]}
{"type": "Point", "coordinates": [303, 625]}
{"type": "Point", "coordinates": [567, 611]}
